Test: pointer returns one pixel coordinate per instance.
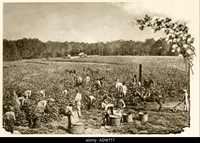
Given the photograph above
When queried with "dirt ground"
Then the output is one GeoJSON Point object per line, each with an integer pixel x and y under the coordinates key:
{"type": "Point", "coordinates": [163, 122]}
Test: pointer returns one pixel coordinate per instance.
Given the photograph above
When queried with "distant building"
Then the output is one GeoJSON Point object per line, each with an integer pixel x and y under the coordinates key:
{"type": "Point", "coordinates": [69, 56]}
{"type": "Point", "coordinates": [82, 55]}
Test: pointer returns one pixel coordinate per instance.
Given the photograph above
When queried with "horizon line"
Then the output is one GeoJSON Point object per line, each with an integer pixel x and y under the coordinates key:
{"type": "Point", "coordinates": [84, 41]}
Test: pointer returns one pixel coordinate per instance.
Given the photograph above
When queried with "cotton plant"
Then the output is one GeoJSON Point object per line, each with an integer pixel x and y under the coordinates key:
{"type": "Point", "coordinates": [177, 35]}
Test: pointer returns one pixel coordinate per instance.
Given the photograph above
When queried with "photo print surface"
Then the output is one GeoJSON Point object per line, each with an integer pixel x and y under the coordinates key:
{"type": "Point", "coordinates": [97, 67]}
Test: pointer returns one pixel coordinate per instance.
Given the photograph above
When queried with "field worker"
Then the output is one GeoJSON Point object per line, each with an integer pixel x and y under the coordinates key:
{"type": "Point", "coordinates": [26, 107]}
{"type": "Point", "coordinates": [42, 92]}
{"type": "Point", "coordinates": [27, 93]}
{"type": "Point", "coordinates": [118, 85]}
{"type": "Point", "coordinates": [9, 120]}
{"type": "Point", "coordinates": [69, 112]}
{"type": "Point", "coordinates": [17, 103]}
{"type": "Point", "coordinates": [124, 89]}
{"type": "Point", "coordinates": [78, 100]}
{"type": "Point", "coordinates": [139, 84]}
{"type": "Point", "coordinates": [69, 108]}
{"type": "Point", "coordinates": [65, 111]}
{"type": "Point", "coordinates": [99, 82]}
{"type": "Point", "coordinates": [186, 97]}
{"type": "Point", "coordinates": [65, 92]}
{"type": "Point", "coordinates": [134, 80]}
{"type": "Point", "coordinates": [78, 80]}
{"type": "Point", "coordinates": [121, 103]}
{"type": "Point", "coordinates": [21, 100]}
{"type": "Point", "coordinates": [184, 100]}
{"type": "Point", "coordinates": [39, 111]}
{"type": "Point", "coordinates": [103, 105]}
{"type": "Point", "coordinates": [92, 100]}
{"type": "Point", "coordinates": [87, 79]}
{"type": "Point", "coordinates": [147, 83]}
{"type": "Point", "coordinates": [107, 103]}
{"type": "Point", "coordinates": [106, 114]}
{"type": "Point", "coordinates": [108, 107]}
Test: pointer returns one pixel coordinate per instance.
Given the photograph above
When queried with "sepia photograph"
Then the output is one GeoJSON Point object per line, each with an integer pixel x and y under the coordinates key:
{"type": "Point", "coordinates": [108, 68]}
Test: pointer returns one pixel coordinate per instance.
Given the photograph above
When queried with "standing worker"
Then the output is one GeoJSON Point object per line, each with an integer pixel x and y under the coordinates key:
{"type": "Point", "coordinates": [124, 89]}
{"type": "Point", "coordinates": [186, 97]}
{"type": "Point", "coordinates": [134, 80]}
{"type": "Point", "coordinates": [26, 107]}
{"type": "Point", "coordinates": [87, 79]}
{"type": "Point", "coordinates": [78, 100]}
{"type": "Point", "coordinates": [69, 112]}
{"type": "Point", "coordinates": [184, 100]}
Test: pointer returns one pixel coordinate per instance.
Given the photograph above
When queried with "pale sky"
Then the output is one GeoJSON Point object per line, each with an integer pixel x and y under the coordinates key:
{"type": "Point", "coordinates": [89, 22]}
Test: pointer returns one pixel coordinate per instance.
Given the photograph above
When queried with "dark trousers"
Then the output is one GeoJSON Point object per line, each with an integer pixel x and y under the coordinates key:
{"type": "Point", "coordinates": [9, 126]}
{"type": "Point", "coordinates": [37, 120]}
{"type": "Point", "coordinates": [106, 119]}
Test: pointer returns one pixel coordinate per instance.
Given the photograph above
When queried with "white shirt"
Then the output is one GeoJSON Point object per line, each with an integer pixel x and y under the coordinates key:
{"type": "Point", "coordinates": [92, 98]}
{"type": "Point", "coordinates": [42, 92]}
{"type": "Point", "coordinates": [118, 85]}
{"type": "Point", "coordinates": [186, 98]}
{"type": "Point", "coordinates": [108, 105]}
{"type": "Point", "coordinates": [27, 93]}
{"type": "Point", "coordinates": [87, 78]}
{"type": "Point", "coordinates": [78, 97]}
{"type": "Point", "coordinates": [121, 101]}
{"type": "Point", "coordinates": [79, 79]}
{"type": "Point", "coordinates": [124, 88]}
{"type": "Point", "coordinates": [69, 109]}
{"type": "Point", "coordinates": [10, 115]}
{"type": "Point", "coordinates": [41, 106]}
{"type": "Point", "coordinates": [21, 100]}
{"type": "Point", "coordinates": [65, 92]}
{"type": "Point", "coordinates": [99, 83]}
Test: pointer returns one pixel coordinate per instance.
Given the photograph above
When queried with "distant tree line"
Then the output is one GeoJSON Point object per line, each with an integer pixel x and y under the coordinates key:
{"type": "Point", "coordinates": [34, 48]}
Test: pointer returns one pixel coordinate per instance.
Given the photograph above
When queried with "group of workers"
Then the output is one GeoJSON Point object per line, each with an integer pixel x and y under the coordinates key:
{"type": "Point", "coordinates": [34, 118]}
